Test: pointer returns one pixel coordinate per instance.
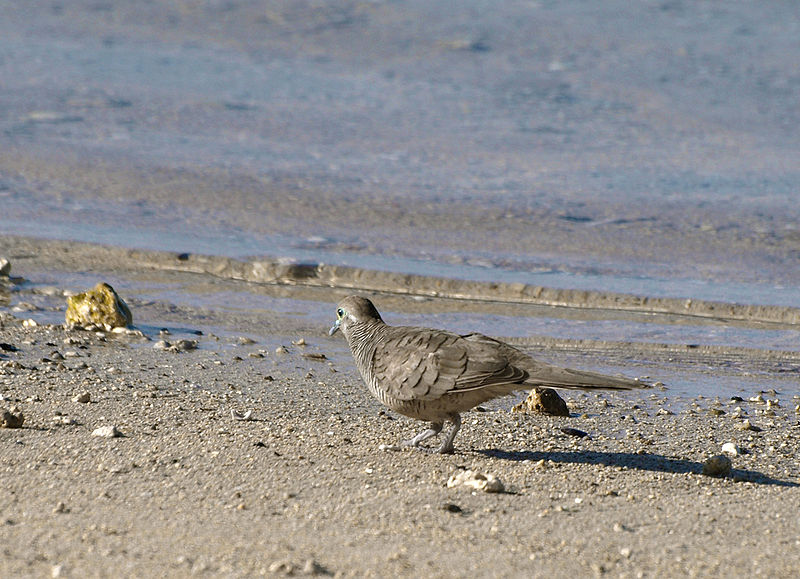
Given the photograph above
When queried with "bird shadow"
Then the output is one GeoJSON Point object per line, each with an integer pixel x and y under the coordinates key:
{"type": "Point", "coordinates": [648, 462]}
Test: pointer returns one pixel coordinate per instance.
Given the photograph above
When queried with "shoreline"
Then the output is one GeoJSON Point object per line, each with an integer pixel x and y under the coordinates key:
{"type": "Point", "coordinates": [275, 271]}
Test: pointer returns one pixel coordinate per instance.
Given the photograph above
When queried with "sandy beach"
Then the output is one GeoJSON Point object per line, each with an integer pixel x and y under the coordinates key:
{"type": "Point", "coordinates": [302, 487]}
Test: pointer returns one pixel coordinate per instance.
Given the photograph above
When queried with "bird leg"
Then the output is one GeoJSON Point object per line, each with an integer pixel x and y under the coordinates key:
{"type": "Point", "coordinates": [436, 428]}
{"type": "Point", "coordinates": [447, 445]}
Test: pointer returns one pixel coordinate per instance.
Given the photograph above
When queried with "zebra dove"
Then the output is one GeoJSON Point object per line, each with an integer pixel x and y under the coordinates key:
{"type": "Point", "coordinates": [434, 375]}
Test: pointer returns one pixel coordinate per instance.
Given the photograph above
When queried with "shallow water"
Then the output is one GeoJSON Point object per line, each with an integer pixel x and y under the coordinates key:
{"type": "Point", "coordinates": [708, 358]}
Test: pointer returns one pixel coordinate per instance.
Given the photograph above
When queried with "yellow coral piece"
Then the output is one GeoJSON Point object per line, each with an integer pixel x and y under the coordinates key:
{"type": "Point", "coordinates": [99, 306]}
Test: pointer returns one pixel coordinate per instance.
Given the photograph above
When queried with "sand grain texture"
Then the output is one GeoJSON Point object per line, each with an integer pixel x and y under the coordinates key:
{"type": "Point", "coordinates": [302, 485]}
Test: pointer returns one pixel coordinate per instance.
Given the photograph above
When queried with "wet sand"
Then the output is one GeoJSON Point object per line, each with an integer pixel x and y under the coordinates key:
{"type": "Point", "coordinates": [303, 487]}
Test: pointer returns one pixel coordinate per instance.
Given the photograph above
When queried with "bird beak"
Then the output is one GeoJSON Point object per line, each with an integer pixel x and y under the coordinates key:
{"type": "Point", "coordinates": [335, 327]}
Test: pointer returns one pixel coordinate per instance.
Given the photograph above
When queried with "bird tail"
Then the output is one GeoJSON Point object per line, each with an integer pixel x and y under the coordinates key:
{"type": "Point", "coordinates": [547, 376]}
{"type": "Point", "coordinates": [543, 375]}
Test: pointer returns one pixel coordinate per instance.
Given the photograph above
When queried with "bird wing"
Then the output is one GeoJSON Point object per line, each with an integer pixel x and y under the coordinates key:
{"type": "Point", "coordinates": [422, 364]}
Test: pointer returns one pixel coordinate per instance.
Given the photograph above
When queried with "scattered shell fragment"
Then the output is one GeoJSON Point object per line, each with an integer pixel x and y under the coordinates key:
{"type": "Point", "coordinates": [107, 432]}
{"type": "Point", "coordinates": [65, 420]}
{"type": "Point", "coordinates": [731, 449]}
{"type": "Point", "coordinates": [281, 350]}
{"type": "Point", "coordinates": [309, 567]}
{"type": "Point", "coordinates": [283, 568]}
{"type": "Point", "coordinates": [300, 342]}
{"type": "Point", "coordinates": [390, 447]}
{"type": "Point", "coordinates": [478, 481]}
{"type": "Point", "coordinates": [5, 267]}
{"type": "Point", "coordinates": [236, 415]}
{"type": "Point", "coordinates": [12, 418]}
{"type": "Point", "coordinates": [129, 332]}
{"type": "Point", "coordinates": [719, 465]}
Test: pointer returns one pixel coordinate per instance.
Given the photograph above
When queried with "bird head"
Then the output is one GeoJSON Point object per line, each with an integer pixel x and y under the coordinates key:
{"type": "Point", "coordinates": [353, 310]}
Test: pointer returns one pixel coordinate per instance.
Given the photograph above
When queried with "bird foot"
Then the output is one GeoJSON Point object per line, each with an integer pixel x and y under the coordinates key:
{"type": "Point", "coordinates": [436, 427]}
{"type": "Point", "coordinates": [441, 449]}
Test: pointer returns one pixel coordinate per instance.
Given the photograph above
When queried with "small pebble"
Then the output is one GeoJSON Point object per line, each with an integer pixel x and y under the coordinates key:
{"type": "Point", "coordinates": [451, 508]}
{"type": "Point", "coordinates": [12, 418]}
{"type": "Point", "coordinates": [184, 345]}
{"type": "Point", "coordinates": [61, 508]}
{"type": "Point", "coordinates": [719, 465]}
{"type": "Point", "coordinates": [83, 398]}
{"type": "Point", "coordinates": [574, 432]}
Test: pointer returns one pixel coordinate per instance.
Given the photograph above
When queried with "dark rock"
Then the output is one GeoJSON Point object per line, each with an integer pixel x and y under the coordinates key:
{"type": "Point", "coordinates": [544, 401]}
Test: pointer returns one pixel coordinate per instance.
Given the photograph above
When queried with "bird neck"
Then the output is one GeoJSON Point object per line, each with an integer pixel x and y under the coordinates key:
{"type": "Point", "coordinates": [364, 338]}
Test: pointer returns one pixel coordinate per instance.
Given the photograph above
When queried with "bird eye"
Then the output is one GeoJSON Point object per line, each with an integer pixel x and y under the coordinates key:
{"type": "Point", "coordinates": [340, 313]}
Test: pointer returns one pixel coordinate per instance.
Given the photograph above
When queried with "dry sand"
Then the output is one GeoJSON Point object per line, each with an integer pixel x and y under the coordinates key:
{"type": "Point", "coordinates": [302, 486]}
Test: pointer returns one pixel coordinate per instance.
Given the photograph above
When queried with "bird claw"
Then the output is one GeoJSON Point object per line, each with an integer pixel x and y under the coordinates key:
{"type": "Point", "coordinates": [441, 449]}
